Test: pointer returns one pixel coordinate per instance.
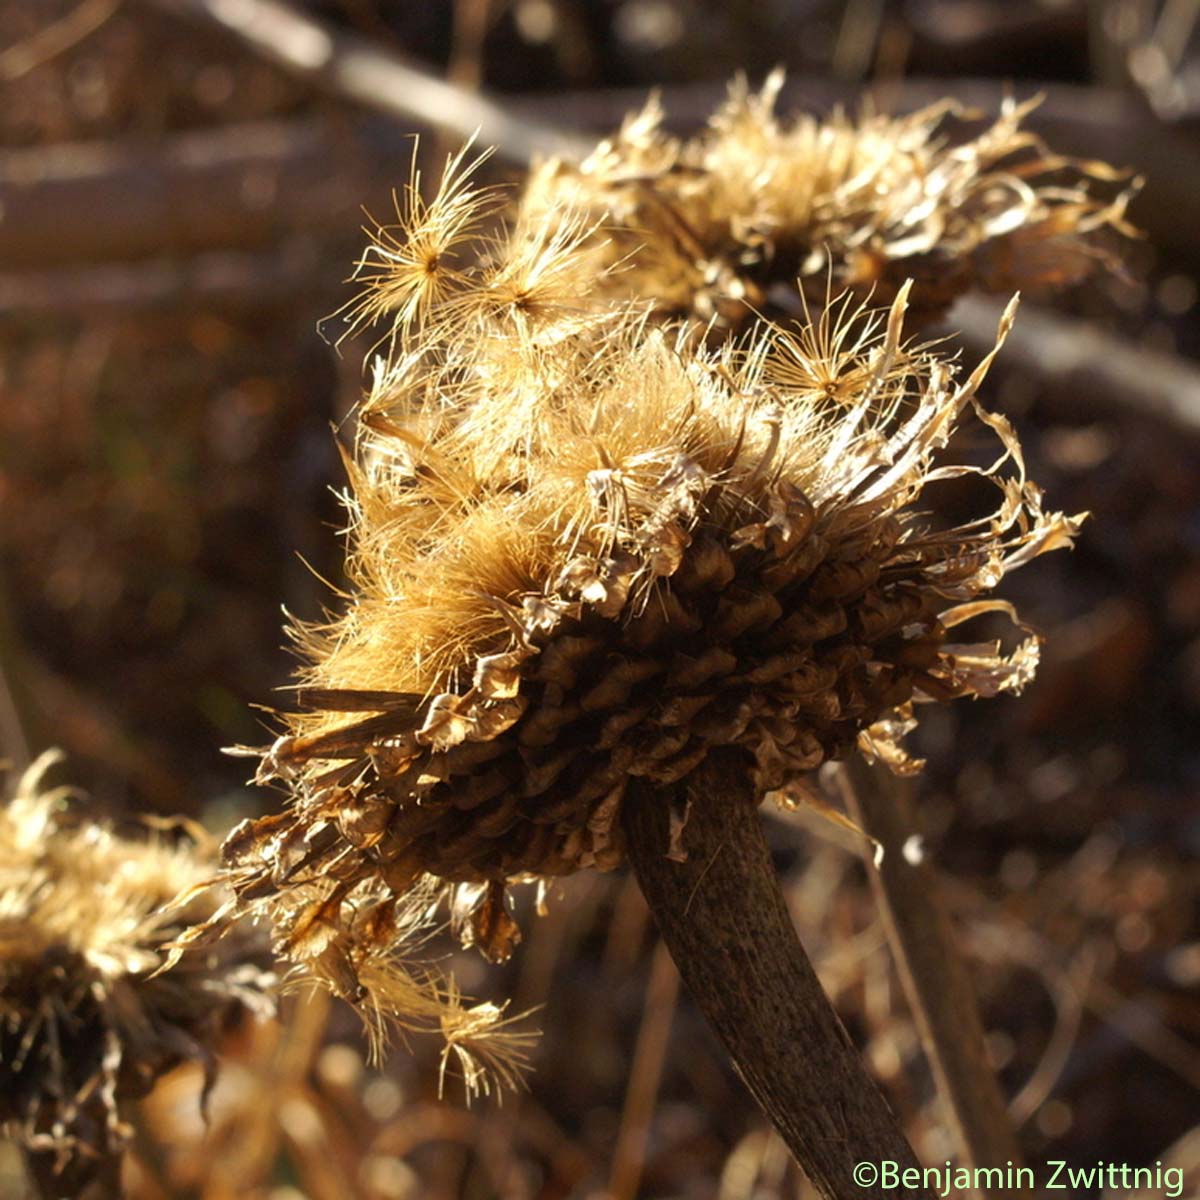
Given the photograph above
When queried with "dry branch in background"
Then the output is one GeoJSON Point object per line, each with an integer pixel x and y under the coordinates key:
{"type": "Point", "coordinates": [237, 187]}
{"type": "Point", "coordinates": [1099, 369]}
{"type": "Point", "coordinates": [235, 279]}
{"type": "Point", "coordinates": [645, 1075]}
{"type": "Point", "coordinates": [54, 38]}
{"type": "Point", "coordinates": [354, 68]}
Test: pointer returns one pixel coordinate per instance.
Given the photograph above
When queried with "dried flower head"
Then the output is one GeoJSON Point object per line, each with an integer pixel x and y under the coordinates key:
{"type": "Point", "coordinates": [712, 224]}
{"type": "Point", "coordinates": [585, 549]}
{"type": "Point", "coordinates": [85, 1021]}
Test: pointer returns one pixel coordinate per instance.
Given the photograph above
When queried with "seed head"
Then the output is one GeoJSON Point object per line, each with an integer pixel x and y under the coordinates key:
{"type": "Point", "coordinates": [725, 222]}
{"type": "Point", "coordinates": [86, 1023]}
{"type": "Point", "coordinates": [585, 549]}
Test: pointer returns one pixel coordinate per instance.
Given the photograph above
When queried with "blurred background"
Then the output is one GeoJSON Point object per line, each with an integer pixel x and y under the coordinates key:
{"type": "Point", "coordinates": [179, 210]}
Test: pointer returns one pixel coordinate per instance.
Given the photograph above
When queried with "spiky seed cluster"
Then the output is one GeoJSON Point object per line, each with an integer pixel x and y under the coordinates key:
{"type": "Point", "coordinates": [85, 1023]}
{"type": "Point", "coordinates": [711, 225]}
{"type": "Point", "coordinates": [583, 551]}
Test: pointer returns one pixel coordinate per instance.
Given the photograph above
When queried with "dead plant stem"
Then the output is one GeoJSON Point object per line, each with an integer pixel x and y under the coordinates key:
{"type": "Point", "coordinates": [724, 919]}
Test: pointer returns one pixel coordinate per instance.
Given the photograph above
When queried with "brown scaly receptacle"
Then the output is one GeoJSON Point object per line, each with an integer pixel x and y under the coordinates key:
{"type": "Point", "coordinates": [86, 1022]}
{"type": "Point", "coordinates": [592, 561]}
{"type": "Point", "coordinates": [721, 225]}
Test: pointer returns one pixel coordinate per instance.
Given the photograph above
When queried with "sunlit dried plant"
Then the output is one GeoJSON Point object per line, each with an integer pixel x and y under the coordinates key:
{"type": "Point", "coordinates": [731, 218]}
{"type": "Point", "coordinates": [86, 1024]}
{"type": "Point", "coordinates": [582, 550]}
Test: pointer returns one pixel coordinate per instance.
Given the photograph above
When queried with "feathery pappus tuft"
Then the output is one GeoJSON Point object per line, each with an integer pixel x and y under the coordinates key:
{"type": "Point", "coordinates": [86, 1021]}
{"type": "Point", "coordinates": [409, 266]}
{"type": "Point", "coordinates": [582, 549]}
{"type": "Point", "coordinates": [482, 1044]}
{"type": "Point", "coordinates": [723, 224]}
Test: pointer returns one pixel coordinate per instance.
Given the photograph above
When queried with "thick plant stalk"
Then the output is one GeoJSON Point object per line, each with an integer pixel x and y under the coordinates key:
{"type": "Point", "coordinates": [932, 971]}
{"type": "Point", "coordinates": [725, 921]}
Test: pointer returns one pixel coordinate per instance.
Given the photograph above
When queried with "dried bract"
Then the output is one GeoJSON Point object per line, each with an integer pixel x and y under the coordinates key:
{"type": "Point", "coordinates": [584, 549]}
{"type": "Point", "coordinates": [731, 218]}
{"type": "Point", "coordinates": [86, 1024]}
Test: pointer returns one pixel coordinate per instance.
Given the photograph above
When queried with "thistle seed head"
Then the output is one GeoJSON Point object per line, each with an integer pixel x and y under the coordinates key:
{"type": "Point", "coordinates": [86, 1023]}
{"type": "Point", "coordinates": [585, 549]}
{"type": "Point", "coordinates": [723, 224]}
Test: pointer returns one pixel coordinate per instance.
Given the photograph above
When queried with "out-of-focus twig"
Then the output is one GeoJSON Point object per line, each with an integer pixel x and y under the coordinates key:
{"type": "Point", "coordinates": [857, 38]}
{"type": "Point", "coordinates": [1066, 988]}
{"type": "Point", "coordinates": [471, 21]}
{"type": "Point", "coordinates": [756, 1167]}
{"type": "Point", "coordinates": [932, 970]}
{"type": "Point", "coordinates": [1134, 1017]}
{"type": "Point", "coordinates": [644, 1077]}
{"type": "Point", "coordinates": [55, 38]}
{"type": "Point", "coordinates": [357, 69]}
{"type": "Point", "coordinates": [1106, 372]}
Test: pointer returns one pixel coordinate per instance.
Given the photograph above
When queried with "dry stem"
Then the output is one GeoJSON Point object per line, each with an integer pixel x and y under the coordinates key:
{"type": "Point", "coordinates": [723, 916]}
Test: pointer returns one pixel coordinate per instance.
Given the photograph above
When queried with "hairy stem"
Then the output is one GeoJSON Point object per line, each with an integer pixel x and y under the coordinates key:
{"type": "Point", "coordinates": [723, 916]}
{"type": "Point", "coordinates": [932, 971]}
